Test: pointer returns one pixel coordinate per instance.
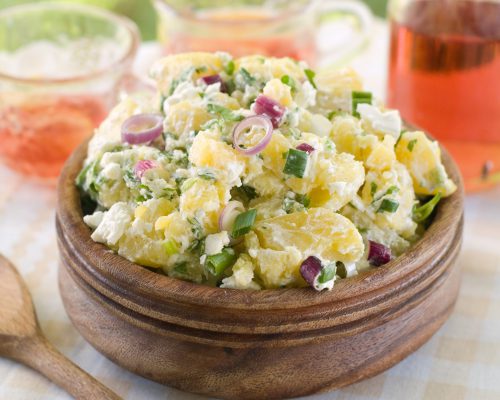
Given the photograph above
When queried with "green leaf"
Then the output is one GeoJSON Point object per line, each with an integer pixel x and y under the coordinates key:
{"type": "Point", "coordinates": [243, 223]}
{"type": "Point", "coordinates": [216, 264]}
{"type": "Point", "coordinates": [296, 163]}
{"type": "Point", "coordinates": [423, 212]}
{"type": "Point", "coordinates": [310, 76]}
{"type": "Point", "coordinates": [388, 205]}
{"type": "Point", "coordinates": [373, 189]}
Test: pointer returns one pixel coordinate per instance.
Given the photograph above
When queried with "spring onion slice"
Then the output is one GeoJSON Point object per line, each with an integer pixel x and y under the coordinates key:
{"type": "Point", "coordinates": [388, 205]}
{"type": "Point", "coordinates": [216, 264]}
{"type": "Point", "coordinates": [358, 98]}
{"type": "Point", "coordinates": [296, 163]}
{"type": "Point", "coordinates": [243, 223]}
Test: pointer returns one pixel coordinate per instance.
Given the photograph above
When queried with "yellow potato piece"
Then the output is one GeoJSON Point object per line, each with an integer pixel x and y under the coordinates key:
{"type": "Point", "coordinates": [422, 158]}
{"type": "Point", "coordinates": [278, 91]}
{"type": "Point", "coordinates": [317, 231]}
{"type": "Point", "coordinates": [267, 68]}
{"type": "Point", "coordinates": [170, 68]}
{"type": "Point", "coordinates": [184, 117]}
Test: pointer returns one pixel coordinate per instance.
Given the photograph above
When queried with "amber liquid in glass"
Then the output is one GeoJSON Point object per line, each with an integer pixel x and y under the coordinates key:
{"type": "Point", "coordinates": [38, 136]}
{"type": "Point", "coordinates": [444, 76]}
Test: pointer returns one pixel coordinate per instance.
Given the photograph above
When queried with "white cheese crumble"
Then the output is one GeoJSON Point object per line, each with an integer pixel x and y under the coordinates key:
{"type": "Point", "coordinates": [215, 243]}
{"type": "Point", "coordinates": [93, 220]}
{"type": "Point", "coordinates": [113, 224]}
{"type": "Point", "coordinates": [387, 122]}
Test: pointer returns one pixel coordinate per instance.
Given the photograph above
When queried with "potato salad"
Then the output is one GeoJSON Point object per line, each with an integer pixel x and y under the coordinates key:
{"type": "Point", "coordinates": [258, 173]}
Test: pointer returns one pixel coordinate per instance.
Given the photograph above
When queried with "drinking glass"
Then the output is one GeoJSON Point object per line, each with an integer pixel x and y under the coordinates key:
{"type": "Point", "coordinates": [320, 32]}
{"type": "Point", "coordinates": [61, 69]}
{"type": "Point", "coordinates": [444, 76]}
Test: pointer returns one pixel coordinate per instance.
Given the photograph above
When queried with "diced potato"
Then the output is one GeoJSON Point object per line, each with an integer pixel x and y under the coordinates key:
{"type": "Point", "coordinates": [274, 155]}
{"type": "Point", "coordinates": [317, 231]}
{"type": "Point", "coordinates": [422, 157]}
{"type": "Point", "coordinates": [166, 70]}
{"type": "Point", "coordinates": [382, 156]}
{"type": "Point", "coordinates": [278, 91]}
{"type": "Point", "coordinates": [267, 68]}
{"type": "Point", "coordinates": [184, 117]}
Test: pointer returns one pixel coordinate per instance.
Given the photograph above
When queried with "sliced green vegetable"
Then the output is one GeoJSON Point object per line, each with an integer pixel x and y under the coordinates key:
{"type": "Point", "coordinates": [423, 212]}
{"type": "Point", "coordinates": [216, 264]}
{"type": "Point", "coordinates": [310, 76]}
{"type": "Point", "coordinates": [388, 205]}
{"type": "Point", "coordinates": [373, 189]}
{"type": "Point", "coordinates": [296, 163]}
{"type": "Point", "coordinates": [358, 98]}
{"type": "Point", "coordinates": [243, 223]}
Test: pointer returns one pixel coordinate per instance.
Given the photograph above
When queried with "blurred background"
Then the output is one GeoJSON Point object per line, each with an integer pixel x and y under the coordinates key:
{"type": "Point", "coordinates": [142, 12]}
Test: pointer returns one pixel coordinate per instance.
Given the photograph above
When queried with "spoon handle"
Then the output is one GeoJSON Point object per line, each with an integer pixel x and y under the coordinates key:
{"type": "Point", "coordinates": [39, 354]}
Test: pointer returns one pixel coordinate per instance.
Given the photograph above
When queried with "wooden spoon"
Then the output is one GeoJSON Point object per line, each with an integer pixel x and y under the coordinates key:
{"type": "Point", "coordinates": [22, 340]}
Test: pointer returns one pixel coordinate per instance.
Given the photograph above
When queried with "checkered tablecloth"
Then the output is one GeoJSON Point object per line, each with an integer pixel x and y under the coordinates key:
{"type": "Point", "coordinates": [462, 361]}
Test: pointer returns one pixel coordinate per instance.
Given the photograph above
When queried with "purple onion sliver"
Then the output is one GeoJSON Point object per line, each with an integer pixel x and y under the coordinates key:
{"type": "Point", "coordinates": [142, 128]}
{"type": "Point", "coordinates": [212, 79]}
{"type": "Point", "coordinates": [306, 147]}
{"type": "Point", "coordinates": [378, 254]}
{"type": "Point", "coordinates": [267, 106]}
{"type": "Point", "coordinates": [142, 166]}
{"type": "Point", "coordinates": [310, 269]}
{"type": "Point", "coordinates": [255, 120]}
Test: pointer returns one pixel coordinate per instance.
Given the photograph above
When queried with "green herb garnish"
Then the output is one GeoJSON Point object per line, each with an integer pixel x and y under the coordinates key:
{"type": "Point", "coordinates": [296, 163]}
{"type": "Point", "coordinates": [411, 144]}
{"type": "Point", "coordinates": [207, 175]}
{"type": "Point", "coordinates": [289, 81]}
{"type": "Point", "coordinates": [224, 112]}
{"type": "Point", "coordinates": [373, 189]}
{"type": "Point", "coordinates": [243, 223]}
{"type": "Point", "coordinates": [229, 69]}
{"type": "Point", "coordinates": [327, 273]}
{"type": "Point", "coordinates": [247, 77]}
{"type": "Point", "coordinates": [420, 214]}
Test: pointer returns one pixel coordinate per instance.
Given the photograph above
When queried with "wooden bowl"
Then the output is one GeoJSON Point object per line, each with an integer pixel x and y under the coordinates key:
{"type": "Point", "coordinates": [269, 344]}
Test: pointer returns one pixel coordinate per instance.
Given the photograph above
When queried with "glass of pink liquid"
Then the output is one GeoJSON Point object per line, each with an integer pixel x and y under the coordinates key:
{"type": "Point", "coordinates": [320, 32]}
{"type": "Point", "coordinates": [61, 69]}
{"type": "Point", "coordinates": [444, 76]}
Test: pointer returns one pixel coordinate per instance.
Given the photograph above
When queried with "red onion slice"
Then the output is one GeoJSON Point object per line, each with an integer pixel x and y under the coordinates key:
{"type": "Point", "coordinates": [305, 147]}
{"type": "Point", "coordinates": [142, 128]}
{"type": "Point", "coordinates": [310, 270]}
{"type": "Point", "coordinates": [266, 106]}
{"type": "Point", "coordinates": [142, 166]}
{"type": "Point", "coordinates": [229, 214]}
{"type": "Point", "coordinates": [378, 254]}
{"type": "Point", "coordinates": [255, 120]}
{"type": "Point", "coordinates": [212, 79]}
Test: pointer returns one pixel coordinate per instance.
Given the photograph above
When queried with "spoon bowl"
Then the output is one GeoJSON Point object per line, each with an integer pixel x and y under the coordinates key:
{"type": "Point", "coordinates": [21, 340]}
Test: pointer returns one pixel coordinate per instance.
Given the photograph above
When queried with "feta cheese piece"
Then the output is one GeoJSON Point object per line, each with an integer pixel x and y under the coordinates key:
{"type": "Point", "coordinates": [387, 122]}
{"type": "Point", "coordinates": [94, 220]}
{"type": "Point", "coordinates": [112, 171]}
{"type": "Point", "coordinates": [215, 243]}
{"type": "Point", "coordinates": [113, 224]}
